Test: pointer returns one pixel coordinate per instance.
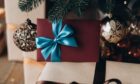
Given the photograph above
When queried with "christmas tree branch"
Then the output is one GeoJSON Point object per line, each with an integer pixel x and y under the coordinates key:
{"type": "Point", "coordinates": [28, 5]}
{"type": "Point", "coordinates": [62, 7]}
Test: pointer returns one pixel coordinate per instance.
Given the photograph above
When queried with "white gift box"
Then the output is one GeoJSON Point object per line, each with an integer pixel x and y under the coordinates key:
{"type": "Point", "coordinates": [64, 72]}
{"type": "Point", "coordinates": [15, 17]}
{"type": "Point", "coordinates": [128, 73]}
{"type": "Point", "coordinates": [67, 72]}
{"type": "Point", "coordinates": [32, 70]}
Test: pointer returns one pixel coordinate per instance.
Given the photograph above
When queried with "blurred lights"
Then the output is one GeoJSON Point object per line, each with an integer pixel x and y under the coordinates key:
{"type": "Point", "coordinates": [106, 27]}
{"type": "Point", "coordinates": [125, 2]}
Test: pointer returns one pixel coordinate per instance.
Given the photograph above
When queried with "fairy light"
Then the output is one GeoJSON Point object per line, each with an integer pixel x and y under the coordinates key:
{"type": "Point", "coordinates": [1, 11]}
{"type": "Point", "coordinates": [133, 26]}
{"type": "Point", "coordinates": [125, 2]}
{"type": "Point", "coordinates": [106, 27]}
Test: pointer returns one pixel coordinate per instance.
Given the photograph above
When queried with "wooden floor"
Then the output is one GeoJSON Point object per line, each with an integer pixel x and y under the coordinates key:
{"type": "Point", "coordinates": [10, 72]}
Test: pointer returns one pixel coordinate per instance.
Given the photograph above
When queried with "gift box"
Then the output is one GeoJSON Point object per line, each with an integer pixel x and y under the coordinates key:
{"type": "Point", "coordinates": [91, 13]}
{"type": "Point", "coordinates": [86, 33]}
{"type": "Point", "coordinates": [32, 70]}
{"type": "Point", "coordinates": [84, 73]}
{"type": "Point", "coordinates": [127, 73]}
{"type": "Point", "coordinates": [13, 20]}
{"type": "Point", "coordinates": [67, 72]}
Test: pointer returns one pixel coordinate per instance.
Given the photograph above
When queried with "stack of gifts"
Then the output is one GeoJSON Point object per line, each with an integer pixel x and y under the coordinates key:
{"type": "Point", "coordinates": [71, 54]}
{"type": "Point", "coordinates": [68, 48]}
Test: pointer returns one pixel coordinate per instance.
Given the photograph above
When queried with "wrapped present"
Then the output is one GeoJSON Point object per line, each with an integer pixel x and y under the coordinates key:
{"type": "Point", "coordinates": [32, 70]}
{"type": "Point", "coordinates": [13, 20]}
{"type": "Point", "coordinates": [127, 73]}
{"type": "Point", "coordinates": [80, 44]}
{"type": "Point", "coordinates": [84, 73]}
{"type": "Point", "coordinates": [67, 72]}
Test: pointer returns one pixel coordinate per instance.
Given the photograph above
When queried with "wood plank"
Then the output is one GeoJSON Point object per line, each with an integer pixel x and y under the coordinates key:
{"type": "Point", "coordinates": [10, 72]}
{"type": "Point", "coordinates": [5, 69]}
{"type": "Point", "coordinates": [16, 76]}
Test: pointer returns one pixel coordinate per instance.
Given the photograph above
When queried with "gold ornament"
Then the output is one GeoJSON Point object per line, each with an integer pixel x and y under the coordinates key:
{"type": "Point", "coordinates": [24, 36]}
{"type": "Point", "coordinates": [113, 31]}
{"type": "Point", "coordinates": [135, 28]}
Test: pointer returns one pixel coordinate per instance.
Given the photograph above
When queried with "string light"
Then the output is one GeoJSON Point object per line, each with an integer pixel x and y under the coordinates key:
{"type": "Point", "coordinates": [125, 2]}
{"type": "Point", "coordinates": [106, 27]}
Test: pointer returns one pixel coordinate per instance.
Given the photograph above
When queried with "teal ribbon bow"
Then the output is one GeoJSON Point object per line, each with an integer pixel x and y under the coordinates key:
{"type": "Point", "coordinates": [63, 36]}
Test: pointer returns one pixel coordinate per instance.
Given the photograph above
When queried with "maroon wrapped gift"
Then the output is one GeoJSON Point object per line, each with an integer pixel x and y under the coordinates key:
{"type": "Point", "coordinates": [87, 34]}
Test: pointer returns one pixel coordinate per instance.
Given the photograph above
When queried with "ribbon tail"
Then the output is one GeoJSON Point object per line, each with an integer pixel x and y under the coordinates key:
{"type": "Point", "coordinates": [55, 54]}
{"type": "Point", "coordinates": [46, 52]}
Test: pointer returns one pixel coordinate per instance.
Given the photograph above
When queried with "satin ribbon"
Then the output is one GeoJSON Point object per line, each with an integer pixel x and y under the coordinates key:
{"type": "Point", "coordinates": [63, 36]}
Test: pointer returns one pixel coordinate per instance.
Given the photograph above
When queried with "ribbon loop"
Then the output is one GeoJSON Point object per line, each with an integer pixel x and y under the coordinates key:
{"type": "Point", "coordinates": [56, 27]}
{"type": "Point", "coordinates": [51, 47]}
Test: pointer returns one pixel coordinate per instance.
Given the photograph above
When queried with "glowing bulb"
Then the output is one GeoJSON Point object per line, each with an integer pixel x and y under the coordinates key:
{"type": "Point", "coordinates": [133, 26]}
{"type": "Point", "coordinates": [125, 2]}
{"type": "Point", "coordinates": [107, 27]}
{"type": "Point", "coordinates": [1, 11]}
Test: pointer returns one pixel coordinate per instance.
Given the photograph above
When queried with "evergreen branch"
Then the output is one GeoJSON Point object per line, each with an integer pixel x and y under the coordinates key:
{"type": "Point", "coordinates": [28, 5]}
{"type": "Point", "coordinates": [107, 6]}
{"type": "Point", "coordinates": [62, 7]}
{"type": "Point", "coordinates": [78, 6]}
{"type": "Point", "coordinates": [58, 11]}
